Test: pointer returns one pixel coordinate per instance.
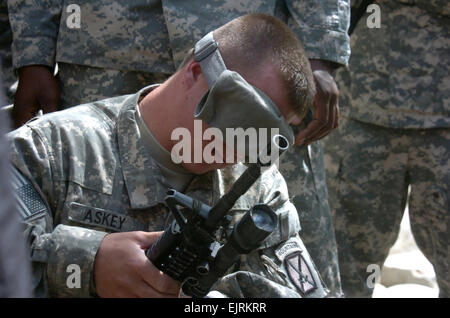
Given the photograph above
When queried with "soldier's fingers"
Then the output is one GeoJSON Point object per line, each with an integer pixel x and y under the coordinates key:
{"type": "Point", "coordinates": [144, 290]}
{"type": "Point", "coordinates": [333, 110]}
{"type": "Point", "coordinates": [136, 288]}
{"type": "Point", "coordinates": [159, 281]}
{"type": "Point", "coordinates": [309, 130]}
{"type": "Point", "coordinates": [321, 118]}
{"type": "Point", "coordinates": [336, 115]}
{"type": "Point", "coordinates": [48, 102]}
{"type": "Point", "coordinates": [25, 108]}
{"type": "Point", "coordinates": [49, 108]}
{"type": "Point", "coordinates": [147, 239]}
{"type": "Point", "coordinates": [332, 121]}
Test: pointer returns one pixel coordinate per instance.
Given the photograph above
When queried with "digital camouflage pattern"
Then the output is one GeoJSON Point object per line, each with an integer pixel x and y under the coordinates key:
{"type": "Point", "coordinates": [398, 74]}
{"type": "Point", "coordinates": [97, 176]}
{"type": "Point", "coordinates": [118, 35]}
{"type": "Point", "coordinates": [395, 133]}
{"type": "Point", "coordinates": [369, 168]}
{"type": "Point", "coordinates": [152, 36]}
{"type": "Point", "coordinates": [5, 54]}
{"type": "Point", "coordinates": [81, 84]}
{"type": "Point", "coordinates": [303, 168]}
{"type": "Point", "coordinates": [320, 25]}
{"type": "Point", "coordinates": [96, 62]}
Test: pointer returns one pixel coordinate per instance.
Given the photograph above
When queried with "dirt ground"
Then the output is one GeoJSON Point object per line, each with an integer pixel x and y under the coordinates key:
{"type": "Point", "coordinates": [406, 272]}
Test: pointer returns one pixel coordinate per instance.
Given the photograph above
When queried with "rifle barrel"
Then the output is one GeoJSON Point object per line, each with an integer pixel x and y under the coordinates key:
{"type": "Point", "coordinates": [242, 184]}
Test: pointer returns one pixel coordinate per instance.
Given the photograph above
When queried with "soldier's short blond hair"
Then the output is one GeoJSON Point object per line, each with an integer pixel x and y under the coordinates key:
{"type": "Point", "coordinates": [249, 42]}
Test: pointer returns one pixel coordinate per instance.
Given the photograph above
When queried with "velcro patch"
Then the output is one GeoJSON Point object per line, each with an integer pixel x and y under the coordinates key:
{"type": "Point", "coordinates": [300, 273]}
{"type": "Point", "coordinates": [29, 201]}
{"type": "Point", "coordinates": [287, 248]}
{"type": "Point", "coordinates": [103, 218]}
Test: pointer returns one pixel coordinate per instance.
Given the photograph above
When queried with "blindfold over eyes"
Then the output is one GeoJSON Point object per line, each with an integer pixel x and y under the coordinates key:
{"type": "Point", "coordinates": [231, 101]}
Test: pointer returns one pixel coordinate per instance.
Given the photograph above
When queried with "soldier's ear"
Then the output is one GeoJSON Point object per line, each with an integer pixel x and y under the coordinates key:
{"type": "Point", "coordinates": [192, 74]}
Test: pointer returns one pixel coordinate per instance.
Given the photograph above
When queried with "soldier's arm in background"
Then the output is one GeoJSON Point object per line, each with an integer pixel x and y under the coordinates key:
{"type": "Point", "coordinates": [281, 266]}
{"type": "Point", "coordinates": [35, 26]}
{"type": "Point", "coordinates": [322, 27]}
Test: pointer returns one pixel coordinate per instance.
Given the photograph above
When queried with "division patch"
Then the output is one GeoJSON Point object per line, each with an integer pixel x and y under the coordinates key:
{"type": "Point", "coordinates": [300, 273]}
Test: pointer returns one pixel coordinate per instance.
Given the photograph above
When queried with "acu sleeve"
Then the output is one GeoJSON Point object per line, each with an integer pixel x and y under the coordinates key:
{"type": "Point", "coordinates": [322, 27]}
{"type": "Point", "coordinates": [62, 256]}
{"type": "Point", "coordinates": [35, 26]}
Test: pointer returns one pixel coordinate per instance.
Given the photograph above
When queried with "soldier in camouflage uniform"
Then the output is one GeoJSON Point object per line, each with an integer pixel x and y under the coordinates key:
{"type": "Point", "coordinates": [6, 55]}
{"type": "Point", "coordinates": [121, 47]}
{"type": "Point", "coordinates": [322, 27]}
{"type": "Point", "coordinates": [149, 37]}
{"type": "Point", "coordinates": [106, 166]}
{"type": "Point", "coordinates": [394, 135]}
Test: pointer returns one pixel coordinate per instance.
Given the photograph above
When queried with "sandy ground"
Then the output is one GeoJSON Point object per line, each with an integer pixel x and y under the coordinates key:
{"type": "Point", "coordinates": [406, 272]}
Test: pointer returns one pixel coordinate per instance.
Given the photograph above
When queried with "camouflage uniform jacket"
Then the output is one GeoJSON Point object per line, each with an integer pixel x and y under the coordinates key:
{"type": "Point", "coordinates": [97, 176]}
{"type": "Point", "coordinates": [398, 73]}
{"type": "Point", "coordinates": [155, 35]}
{"type": "Point", "coordinates": [5, 54]}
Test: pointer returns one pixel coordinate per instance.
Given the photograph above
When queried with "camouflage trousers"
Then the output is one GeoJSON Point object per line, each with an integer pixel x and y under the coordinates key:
{"type": "Point", "coordinates": [8, 77]}
{"type": "Point", "coordinates": [369, 170]}
{"type": "Point", "coordinates": [6, 68]}
{"type": "Point", "coordinates": [304, 171]}
{"type": "Point", "coordinates": [81, 84]}
{"type": "Point", "coordinates": [302, 167]}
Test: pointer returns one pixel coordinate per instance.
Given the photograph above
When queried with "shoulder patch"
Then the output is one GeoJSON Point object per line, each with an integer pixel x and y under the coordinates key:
{"type": "Point", "coordinates": [300, 273]}
{"type": "Point", "coordinates": [291, 246]}
{"type": "Point", "coordinates": [29, 201]}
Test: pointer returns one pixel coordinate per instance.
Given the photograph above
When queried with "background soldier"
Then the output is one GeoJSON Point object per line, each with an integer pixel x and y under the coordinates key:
{"type": "Point", "coordinates": [395, 134]}
{"type": "Point", "coordinates": [121, 47]}
{"type": "Point", "coordinates": [6, 55]}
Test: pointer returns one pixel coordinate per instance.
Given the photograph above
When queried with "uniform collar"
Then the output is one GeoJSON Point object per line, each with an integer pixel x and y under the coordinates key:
{"type": "Point", "coordinates": [143, 178]}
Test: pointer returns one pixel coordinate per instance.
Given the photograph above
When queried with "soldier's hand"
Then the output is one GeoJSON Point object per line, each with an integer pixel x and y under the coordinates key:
{"type": "Point", "coordinates": [37, 89]}
{"type": "Point", "coordinates": [326, 106]}
{"type": "Point", "coordinates": [122, 269]}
